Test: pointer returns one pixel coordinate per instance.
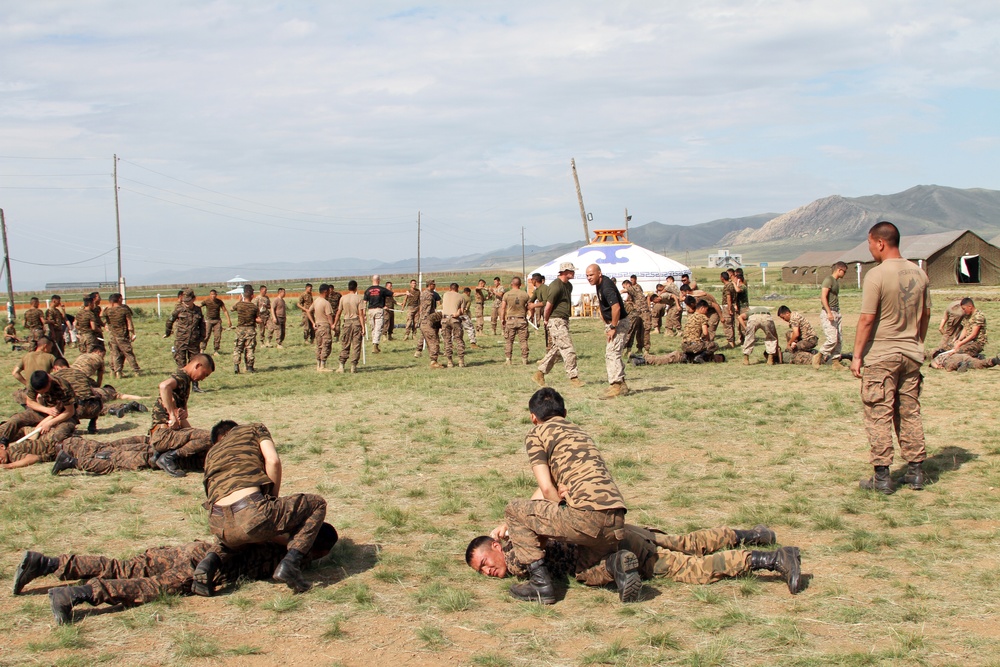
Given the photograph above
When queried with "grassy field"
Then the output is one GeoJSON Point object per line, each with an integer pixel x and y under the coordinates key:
{"type": "Point", "coordinates": [415, 462]}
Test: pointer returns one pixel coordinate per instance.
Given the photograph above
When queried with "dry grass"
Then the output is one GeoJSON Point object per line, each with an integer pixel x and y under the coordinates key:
{"type": "Point", "coordinates": [414, 463]}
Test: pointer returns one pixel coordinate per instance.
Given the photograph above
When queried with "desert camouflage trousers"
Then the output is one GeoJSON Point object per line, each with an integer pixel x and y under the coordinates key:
{"type": "Point", "coordinates": [973, 348]}
{"type": "Point", "coordinates": [213, 330]}
{"type": "Point", "coordinates": [833, 334]}
{"type": "Point", "coordinates": [324, 342]}
{"type": "Point", "coordinates": [186, 441]}
{"type": "Point", "coordinates": [613, 349]}
{"type": "Point", "coordinates": [470, 329]}
{"type": "Point", "coordinates": [531, 523]}
{"type": "Point", "coordinates": [351, 340]}
{"type": "Point", "coordinates": [139, 579]}
{"type": "Point", "coordinates": [412, 326]}
{"type": "Point", "coordinates": [801, 358]}
{"type": "Point", "coordinates": [308, 333]}
{"type": "Point", "coordinates": [677, 357]}
{"type": "Point", "coordinates": [695, 558]}
{"type": "Point", "coordinates": [729, 328]}
{"type": "Point", "coordinates": [765, 324]}
{"type": "Point", "coordinates": [299, 516]}
{"type": "Point", "coordinates": [452, 333]}
{"type": "Point", "coordinates": [952, 331]}
{"type": "Point", "coordinates": [562, 345]}
{"type": "Point", "coordinates": [101, 458]}
{"type": "Point", "coordinates": [495, 316]}
{"type": "Point", "coordinates": [120, 348]}
{"type": "Point", "coordinates": [515, 327]}
{"type": "Point", "coordinates": [656, 312]}
{"type": "Point", "coordinates": [699, 346]}
{"type": "Point", "coordinates": [803, 344]}
{"type": "Point", "coordinates": [890, 392]}
{"type": "Point", "coordinates": [477, 309]}
{"type": "Point", "coordinates": [429, 337]}
{"type": "Point", "coordinates": [952, 361]}
{"type": "Point", "coordinates": [672, 319]}
{"type": "Point", "coordinates": [245, 345]}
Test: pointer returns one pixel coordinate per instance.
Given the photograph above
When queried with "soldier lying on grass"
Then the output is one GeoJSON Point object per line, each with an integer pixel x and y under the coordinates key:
{"type": "Point", "coordinates": [155, 572]}
{"type": "Point", "coordinates": [701, 557]}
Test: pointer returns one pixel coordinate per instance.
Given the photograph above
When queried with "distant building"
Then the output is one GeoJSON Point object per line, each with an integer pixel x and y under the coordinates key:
{"type": "Point", "coordinates": [949, 258]}
{"type": "Point", "coordinates": [724, 260]}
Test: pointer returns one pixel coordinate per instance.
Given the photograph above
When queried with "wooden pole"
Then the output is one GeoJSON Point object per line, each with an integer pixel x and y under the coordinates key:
{"type": "Point", "coordinates": [579, 197]}
{"type": "Point", "coordinates": [420, 276]}
{"type": "Point", "coordinates": [118, 233]}
{"type": "Point", "coordinates": [627, 218]}
{"type": "Point", "coordinates": [6, 263]}
{"type": "Point", "coordinates": [523, 268]}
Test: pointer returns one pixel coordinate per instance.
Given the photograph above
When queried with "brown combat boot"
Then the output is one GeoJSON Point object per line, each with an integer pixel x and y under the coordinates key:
{"type": "Point", "coordinates": [915, 475]}
{"type": "Point", "coordinates": [340, 368]}
{"type": "Point", "coordinates": [63, 598]}
{"type": "Point", "coordinates": [435, 364]}
{"type": "Point", "coordinates": [880, 481]}
{"type": "Point", "coordinates": [538, 588]}
{"type": "Point", "coordinates": [32, 566]}
{"type": "Point", "coordinates": [758, 536]}
{"type": "Point", "coordinates": [577, 382]}
{"type": "Point", "coordinates": [539, 378]}
{"type": "Point", "coordinates": [624, 567]}
{"type": "Point", "coordinates": [785, 561]}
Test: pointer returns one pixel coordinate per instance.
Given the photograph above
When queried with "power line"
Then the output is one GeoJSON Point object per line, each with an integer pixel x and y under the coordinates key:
{"type": "Point", "coordinates": [89, 259]}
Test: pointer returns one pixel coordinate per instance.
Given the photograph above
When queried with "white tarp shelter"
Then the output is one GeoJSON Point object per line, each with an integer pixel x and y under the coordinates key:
{"type": "Point", "coordinates": [618, 259]}
{"type": "Point", "coordinates": [237, 281]}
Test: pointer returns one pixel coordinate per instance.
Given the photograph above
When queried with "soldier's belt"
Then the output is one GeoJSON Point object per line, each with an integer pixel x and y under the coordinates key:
{"type": "Point", "coordinates": [239, 505]}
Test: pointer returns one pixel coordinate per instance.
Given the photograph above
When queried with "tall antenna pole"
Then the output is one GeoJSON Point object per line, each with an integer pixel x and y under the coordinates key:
{"type": "Point", "coordinates": [420, 276]}
{"type": "Point", "coordinates": [118, 232]}
{"type": "Point", "coordinates": [6, 264]}
{"type": "Point", "coordinates": [627, 218]}
{"type": "Point", "coordinates": [579, 197]}
{"type": "Point", "coordinates": [523, 269]}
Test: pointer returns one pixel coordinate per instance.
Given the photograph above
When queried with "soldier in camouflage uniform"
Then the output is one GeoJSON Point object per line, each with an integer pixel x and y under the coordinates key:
{"type": "Point", "coordinates": [151, 574]}
{"type": "Point", "coordinates": [86, 331]}
{"type": "Point", "coordinates": [973, 339]}
{"type": "Point", "coordinates": [320, 316]}
{"type": "Point", "coordinates": [187, 324]}
{"type": "Point", "coordinates": [100, 458]}
{"type": "Point", "coordinates": [51, 407]}
{"type": "Point", "coordinates": [247, 318]}
{"type": "Point", "coordinates": [800, 337]}
{"type": "Point", "coordinates": [242, 480]}
{"type": "Point", "coordinates": [961, 362]}
{"type": "Point", "coordinates": [350, 317]}
{"type": "Point", "coordinates": [334, 298]}
{"type": "Point", "coordinates": [34, 321]}
{"type": "Point", "coordinates": [889, 346]}
{"type": "Point", "coordinates": [171, 436]}
{"type": "Point", "coordinates": [468, 325]}
{"type": "Point", "coordinates": [411, 303]}
{"type": "Point", "coordinates": [759, 319]}
{"type": "Point", "coordinates": [55, 320]}
{"type": "Point", "coordinates": [696, 338]}
{"type": "Point", "coordinates": [430, 324]}
{"type": "Point", "coordinates": [497, 293]}
{"type": "Point", "coordinates": [672, 319]}
{"type": "Point", "coordinates": [702, 557]}
{"type": "Point", "coordinates": [479, 296]}
{"type": "Point", "coordinates": [121, 333]}
{"type": "Point", "coordinates": [214, 307]}
{"type": "Point", "coordinates": [730, 311]}
{"type": "Point", "coordinates": [950, 327]}
{"type": "Point", "coordinates": [305, 303]}
{"type": "Point", "coordinates": [641, 312]}
{"type": "Point", "coordinates": [578, 503]}
{"type": "Point", "coordinates": [514, 314]}
{"type": "Point", "coordinates": [556, 314]}
{"type": "Point", "coordinates": [263, 303]}
{"type": "Point", "coordinates": [675, 357]}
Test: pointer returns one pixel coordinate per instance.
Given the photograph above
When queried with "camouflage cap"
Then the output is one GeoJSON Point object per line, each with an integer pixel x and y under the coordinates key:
{"type": "Point", "coordinates": [188, 295]}
{"type": "Point", "coordinates": [566, 266]}
{"type": "Point", "coordinates": [430, 281]}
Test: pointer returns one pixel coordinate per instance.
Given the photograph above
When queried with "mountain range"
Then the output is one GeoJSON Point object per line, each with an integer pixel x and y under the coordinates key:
{"type": "Point", "coordinates": [830, 223]}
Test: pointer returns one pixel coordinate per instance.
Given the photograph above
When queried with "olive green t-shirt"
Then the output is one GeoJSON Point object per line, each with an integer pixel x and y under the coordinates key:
{"type": "Point", "coordinates": [897, 292]}
{"type": "Point", "coordinates": [560, 295]}
{"type": "Point", "coordinates": [833, 297]}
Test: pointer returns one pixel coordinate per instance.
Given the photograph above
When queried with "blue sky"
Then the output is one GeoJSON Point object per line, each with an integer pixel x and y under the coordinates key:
{"type": "Point", "coordinates": [255, 132]}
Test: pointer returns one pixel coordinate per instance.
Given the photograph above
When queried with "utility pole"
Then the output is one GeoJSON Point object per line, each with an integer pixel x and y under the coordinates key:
{"type": "Point", "coordinates": [6, 264]}
{"type": "Point", "coordinates": [420, 276]}
{"type": "Point", "coordinates": [118, 234]}
{"type": "Point", "coordinates": [627, 218]}
{"type": "Point", "coordinates": [579, 197]}
{"type": "Point", "coordinates": [523, 269]}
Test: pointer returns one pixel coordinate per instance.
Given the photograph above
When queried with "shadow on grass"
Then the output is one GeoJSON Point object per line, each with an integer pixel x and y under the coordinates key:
{"type": "Point", "coordinates": [117, 428]}
{"type": "Point", "coordinates": [650, 390]}
{"type": "Point", "coordinates": [948, 459]}
{"type": "Point", "coordinates": [347, 558]}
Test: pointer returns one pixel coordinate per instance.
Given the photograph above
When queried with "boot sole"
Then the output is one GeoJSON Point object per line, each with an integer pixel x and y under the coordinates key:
{"type": "Point", "coordinates": [535, 598]}
{"type": "Point", "coordinates": [631, 585]}
{"type": "Point", "coordinates": [19, 573]}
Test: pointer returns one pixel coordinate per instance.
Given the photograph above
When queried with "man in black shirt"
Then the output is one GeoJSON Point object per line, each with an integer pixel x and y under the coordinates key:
{"type": "Point", "coordinates": [616, 326]}
{"type": "Point", "coordinates": [375, 297]}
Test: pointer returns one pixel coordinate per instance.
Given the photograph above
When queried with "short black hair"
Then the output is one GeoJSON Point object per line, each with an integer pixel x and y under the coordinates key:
{"type": "Point", "coordinates": [33, 300]}
{"type": "Point", "coordinates": [475, 545]}
{"type": "Point", "coordinates": [39, 380]}
{"type": "Point", "coordinates": [352, 285]}
{"type": "Point", "coordinates": [88, 301]}
{"type": "Point", "coordinates": [60, 363]}
{"type": "Point", "coordinates": [685, 288]}
{"type": "Point", "coordinates": [967, 301]}
{"type": "Point", "coordinates": [55, 296]}
{"type": "Point", "coordinates": [180, 292]}
{"type": "Point", "coordinates": [220, 430]}
{"type": "Point", "coordinates": [205, 360]}
{"type": "Point", "coordinates": [689, 301]}
{"type": "Point", "coordinates": [725, 276]}
{"type": "Point", "coordinates": [323, 287]}
{"type": "Point", "coordinates": [702, 303]}
{"type": "Point", "coordinates": [309, 284]}
{"type": "Point", "coordinates": [547, 403]}
{"type": "Point", "coordinates": [783, 309]}
{"type": "Point", "coordinates": [496, 277]}
{"type": "Point", "coordinates": [248, 290]}
{"type": "Point", "coordinates": [115, 297]}
{"type": "Point", "coordinates": [886, 231]}
{"type": "Point", "coordinates": [839, 265]}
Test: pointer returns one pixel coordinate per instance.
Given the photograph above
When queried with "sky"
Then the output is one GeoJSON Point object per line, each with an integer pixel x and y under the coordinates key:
{"type": "Point", "coordinates": [257, 132]}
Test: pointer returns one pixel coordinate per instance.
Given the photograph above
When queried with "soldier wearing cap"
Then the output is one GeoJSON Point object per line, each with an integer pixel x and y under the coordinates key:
{"type": "Point", "coordinates": [188, 327]}
{"type": "Point", "coordinates": [558, 308]}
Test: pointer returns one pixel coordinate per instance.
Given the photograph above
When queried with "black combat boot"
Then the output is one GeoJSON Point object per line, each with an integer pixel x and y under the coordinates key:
{"type": "Point", "coordinates": [538, 588]}
{"type": "Point", "coordinates": [136, 406]}
{"type": "Point", "coordinates": [167, 462]}
{"type": "Point", "coordinates": [195, 388]}
{"type": "Point", "coordinates": [637, 360]}
{"type": "Point", "coordinates": [758, 536]}
{"type": "Point", "coordinates": [785, 560]}
{"type": "Point", "coordinates": [63, 598]}
{"type": "Point", "coordinates": [880, 481]}
{"type": "Point", "coordinates": [203, 583]}
{"type": "Point", "coordinates": [32, 566]}
{"type": "Point", "coordinates": [915, 475]}
{"type": "Point", "coordinates": [289, 572]}
{"type": "Point", "coordinates": [63, 462]}
{"type": "Point", "coordinates": [624, 567]}
{"type": "Point", "coordinates": [118, 410]}
{"type": "Point", "coordinates": [236, 369]}
{"type": "Point", "coordinates": [250, 368]}
{"type": "Point", "coordinates": [92, 426]}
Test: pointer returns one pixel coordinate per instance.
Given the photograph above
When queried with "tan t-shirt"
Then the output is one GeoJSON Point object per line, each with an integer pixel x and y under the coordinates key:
{"type": "Point", "coordinates": [349, 305]}
{"type": "Point", "coordinates": [897, 292]}
{"type": "Point", "coordinates": [322, 313]}
{"type": "Point", "coordinates": [451, 303]}
{"type": "Point", "coordinates": [517, 303]}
